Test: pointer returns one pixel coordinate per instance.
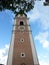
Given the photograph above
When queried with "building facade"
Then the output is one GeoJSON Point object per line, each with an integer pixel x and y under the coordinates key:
{"type": "Point", "coordinates": [22, 49]}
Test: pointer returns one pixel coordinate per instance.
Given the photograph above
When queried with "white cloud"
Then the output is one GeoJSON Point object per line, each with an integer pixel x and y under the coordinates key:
{"type": "Point", "coordinates": [44, 16]}
{"type": "Point", "coordinates": [45, 44]}
{"type": "Point", "coordinates": [42, 38]}
{"type": "Point", "coordinates": [43, 59]}
{"type": "Point", "coordinates": [42, 62]}
{"type": "Point", "coordinates": [3, 54]}
{"type": "Point", "coordinates": [33, 15]}
{"type": "Point", "coordinates": [40, 12]}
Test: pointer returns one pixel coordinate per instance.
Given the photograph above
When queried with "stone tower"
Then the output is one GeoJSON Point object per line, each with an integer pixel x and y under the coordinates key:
{"type": "Point", "coordinates": [22, 50]}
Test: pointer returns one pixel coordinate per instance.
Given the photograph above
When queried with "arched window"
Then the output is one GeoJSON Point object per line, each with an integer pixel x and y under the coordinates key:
{"type": "Point", "coordinates": [21, 23]}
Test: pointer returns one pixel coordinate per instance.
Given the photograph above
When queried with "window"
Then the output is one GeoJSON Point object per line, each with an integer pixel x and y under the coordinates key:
{"type": "Point", "coordinates": [22, 55]}
{"type": "Point", "coordinates": [22, 40]}
{"type": "Point", "coordinates": [23, 64]}
{"type": "Point", "coordinates": [21, 23]}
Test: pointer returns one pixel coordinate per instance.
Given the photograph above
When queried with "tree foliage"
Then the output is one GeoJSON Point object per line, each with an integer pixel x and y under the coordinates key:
{"type": "Point", "coordinates": [17, 6]}
{"type": "Point", "coordinates": [46, 3]}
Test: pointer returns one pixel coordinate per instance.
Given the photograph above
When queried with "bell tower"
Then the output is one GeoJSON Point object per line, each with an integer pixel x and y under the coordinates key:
{"type": "Point", "coordinates": [22, 49]}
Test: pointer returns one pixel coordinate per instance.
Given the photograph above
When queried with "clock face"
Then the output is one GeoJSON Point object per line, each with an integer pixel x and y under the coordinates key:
{"type": "Point", "coordinates": [21, 28]}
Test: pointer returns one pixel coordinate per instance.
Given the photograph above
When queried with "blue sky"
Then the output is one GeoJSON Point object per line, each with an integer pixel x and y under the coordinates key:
{"type": "Point", "coordinates": [39, 23]}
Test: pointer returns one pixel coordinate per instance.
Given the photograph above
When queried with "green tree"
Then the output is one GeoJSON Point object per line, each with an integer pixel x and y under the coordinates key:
{"type": "Point", "coordinates": [46, 3]}
{"type": "Point", "coordinates": [17, 6]}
